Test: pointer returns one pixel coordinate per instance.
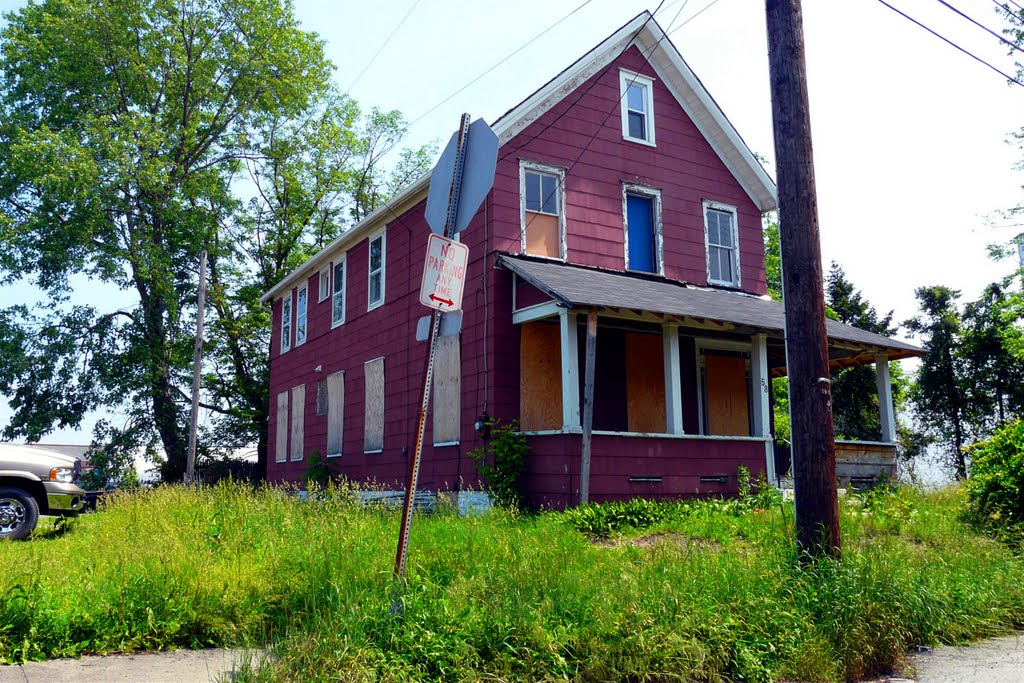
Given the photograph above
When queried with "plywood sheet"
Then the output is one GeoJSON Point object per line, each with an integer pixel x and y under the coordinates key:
{"type": "Point", "coordinates": [281, 438]}
{"type": "Point", "coordinates": [645, 383]}
{"type": "Point", "coordinates": [726, 392]}
{"type": "Point", "coordinates": [335, 413]}
{"type": "Point", "coordinates": [298, 426]}
{"type": "Point", "coordinates": [447, 391]}
{"type": "Point", "coordinates": [542, 238]}
{"type": "Point", "coordinates": [373, 423]}
{"type": "Point", "coordinates": [540, 376]}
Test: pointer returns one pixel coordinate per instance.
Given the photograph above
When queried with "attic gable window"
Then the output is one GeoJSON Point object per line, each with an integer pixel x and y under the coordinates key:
{"type": "Point", "coordinates": [636, 96]}
{"type": "Point", "coordinates": [723, 251]}
{"type": "Point", "coordinates": [543, 210]}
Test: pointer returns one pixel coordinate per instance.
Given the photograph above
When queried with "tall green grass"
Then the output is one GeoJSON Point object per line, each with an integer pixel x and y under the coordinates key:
{"type": "Point", "coordinates": [708, 592]}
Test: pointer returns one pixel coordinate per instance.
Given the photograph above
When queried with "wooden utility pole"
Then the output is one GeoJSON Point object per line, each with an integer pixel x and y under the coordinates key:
{"type": "Point", "coordinates": [588, 406]}
{"type": "Point", "coordinates": [810, 386]}
{"type": "Point", "coordinates": [190, 466]}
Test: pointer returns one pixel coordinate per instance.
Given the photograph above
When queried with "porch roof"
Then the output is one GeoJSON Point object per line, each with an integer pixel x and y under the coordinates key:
{"type": "Point", "coordinates": [583, 287]}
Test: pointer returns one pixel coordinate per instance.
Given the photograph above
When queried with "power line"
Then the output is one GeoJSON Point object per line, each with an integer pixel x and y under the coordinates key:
{"type": "Point", "coordinates": [947, 40]}
{"type": "Point", "coordinates": [381, 48]}
{"type": "Point", "coordinates": [498, 63]}
{"type": "Point", "coordinates": [702, 11]}
{"type": "Point", "coordinates": [981, 26]}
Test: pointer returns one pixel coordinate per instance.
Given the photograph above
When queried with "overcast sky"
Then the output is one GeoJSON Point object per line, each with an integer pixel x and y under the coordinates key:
{"type": "Point", "coordinates": [910, 135]}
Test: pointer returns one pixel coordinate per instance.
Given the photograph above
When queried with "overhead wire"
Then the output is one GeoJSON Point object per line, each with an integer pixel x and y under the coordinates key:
{"type": "Point", "coordinates": [950, 42]}
{"type": "Point", "coordinates": [381, 48]}
{"type": "Point", "coordinates": [980, 25]}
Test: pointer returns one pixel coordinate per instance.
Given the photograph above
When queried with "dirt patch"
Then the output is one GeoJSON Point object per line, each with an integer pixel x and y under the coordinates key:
{"type": "Point", "coordinates": [662, 537]}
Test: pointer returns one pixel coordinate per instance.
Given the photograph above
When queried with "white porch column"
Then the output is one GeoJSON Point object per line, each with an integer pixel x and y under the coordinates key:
{"type": "Point", "coordinates": [570, 372]}
{"type": "Point", "coordinates": [886, 414]}
{"type": "Point", "coordinates": [673, 380]}
{"type": "Point", "coordinates": [761, 384]}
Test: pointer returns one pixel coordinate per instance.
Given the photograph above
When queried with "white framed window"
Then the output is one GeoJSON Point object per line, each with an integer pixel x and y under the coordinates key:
{"type": "Point", "coordinates": [286, 322]}
{"type": "Point", "coordinates": [722, 239]}
{"type": "Point", "coordinates": [301, 314]}
{"type": "Point", "coordinates": [335, 409]}
{"type": "Point", "coordinates": [373, 410]}
{"type": "Point", "coordinates": [542, 214]}
{"type": "Point", "coordinates": [636, 97]}
{"type": "Point", "coordinates": [298, 435]}
{"type": "Point", "coordinates": [338, 294]}
{"type": "Point", "coordinates": [324, 283]}
{"type": "Point", "coordinates": [281, 438]}
{"type": "Point", "coordinates": [641, 218]}
{"type": "Point", "coordinates": [377, 257]}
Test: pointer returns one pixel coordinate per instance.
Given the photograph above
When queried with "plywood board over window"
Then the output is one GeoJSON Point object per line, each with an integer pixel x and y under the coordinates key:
{"type": "Point", "coordinates": [540, 377]}
{"type": "Point", "coordinates": [298, 426]}
{"type": "Point", "coordinates": [726, 391]}
{"type": "Point", "coordinates": [335, 413]}
{"type": "Point", "coordinates": [447, 391]}
{"type": "Point", "coordinates": [373, 423]}
{"type": "Point", "coordinates": [281, 440]}
{"type": "Point", "coordinates": [645, 383]}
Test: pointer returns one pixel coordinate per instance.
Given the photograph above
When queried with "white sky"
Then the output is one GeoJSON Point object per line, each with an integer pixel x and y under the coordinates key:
{"type": "Point", "coordinates": [909, 134]}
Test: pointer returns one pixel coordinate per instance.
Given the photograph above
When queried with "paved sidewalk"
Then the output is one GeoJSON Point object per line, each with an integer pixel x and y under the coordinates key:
{"type": "Point", "coordinates": [999, 660]}
{"type": "Point", "coordinates": [179, 666]}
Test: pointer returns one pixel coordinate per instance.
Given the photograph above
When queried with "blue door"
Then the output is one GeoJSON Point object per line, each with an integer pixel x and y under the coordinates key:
{"type": "Point", "coordinates": [640, 222]}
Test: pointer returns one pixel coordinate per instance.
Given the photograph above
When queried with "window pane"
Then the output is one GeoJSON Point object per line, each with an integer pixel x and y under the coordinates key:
{"type": "Point", "coordinates": [726, 255]}
{"type": "Point", "coordinates": [637, 126]}
{"type": "Point", "coordinates": [712, 227]}
{"type": "Point", "coordinates": [375, 253]}
{"type": "Point", "coordinates": [550, 186]}
{"type": "Point", "coordinates": [339, 277]}
{"type": "Point", "coordinates": [532, 191]}
{"type": "Point", "coordinates": [542, 238]}
{"type": "Point", "coordinates": [714, 263]}
{"type": "Point", "coordinates": [375, 289]}
{"type": "Point", "coordinates": [635, 99]}
{"type": "Point", "coordinates": [725, 223]}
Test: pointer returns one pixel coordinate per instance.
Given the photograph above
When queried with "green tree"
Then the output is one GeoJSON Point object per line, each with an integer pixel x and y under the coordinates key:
{"type": "Point", "coordinates": [124, 123]}
{"type": "Point", "coordinates": [991, 335]}
{"type": "Point", "coordinates": [943, 397]}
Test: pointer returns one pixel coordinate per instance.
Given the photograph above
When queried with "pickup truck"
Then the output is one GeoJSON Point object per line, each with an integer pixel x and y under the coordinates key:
{"type": "Point", "coordinates": [35, 482]}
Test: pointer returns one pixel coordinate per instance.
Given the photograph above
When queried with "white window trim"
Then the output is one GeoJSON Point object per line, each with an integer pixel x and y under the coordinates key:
{"type": "Point", "coordinates": [559, 173]}
{"type": "Point", "coordinates": [626, 78]}
{"type": "Point", "coordinates": [382, 234]}
{"type": "Point", "coordinates": [305, 315]}
{"type": "Point", "coordinates": [325, 278]}
{"type": "Point", "coordinates": [726, 208]}
{"type": "Point", "coordinates": [286, 337]}
{"type": "Point", "coordinates": [655, 194]}
{"type": "Point", "coordinates": [343, 262]}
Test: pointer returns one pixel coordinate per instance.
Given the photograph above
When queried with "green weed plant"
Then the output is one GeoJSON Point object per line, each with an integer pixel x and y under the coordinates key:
{"type": "Point", "coordinates": [680, 591]}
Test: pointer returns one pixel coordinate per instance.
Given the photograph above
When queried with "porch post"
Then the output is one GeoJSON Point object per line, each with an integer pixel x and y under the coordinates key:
{"type": "Point", "coordinates": [673, 380]}
{"type": "Point", "coordinates": [761, 384]}
{"type": "Point", "coordinates": [570, 373]}
{"type": "Point", "coordinates": [886, 414]}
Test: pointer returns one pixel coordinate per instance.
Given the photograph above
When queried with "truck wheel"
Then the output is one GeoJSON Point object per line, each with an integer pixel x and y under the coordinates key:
{"type": "Point", "coordinates": [19, 513]}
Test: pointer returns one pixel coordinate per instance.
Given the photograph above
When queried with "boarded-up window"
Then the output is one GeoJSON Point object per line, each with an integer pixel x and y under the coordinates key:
{"type": "Point", "coordinates": [542, 211]}
{"type": "Point", "coordinates": [373, 425]}
{"type": "Point", "coordinates": [321, 398]}
{"type": "Point", "coordinates": [281, 440]}
{"type": "Point", "coordinates": [335, 412]}
{"type": "Point", "coordinates": [540, 376]}
{"type": "Point", "coordinates": [726, 405]}
{"type": "Point", "coordinates": [298, 413]}
{"type": "Point", "coordinates": [447, 391]}
{"type": "Point", "coordinates": [645, 383]}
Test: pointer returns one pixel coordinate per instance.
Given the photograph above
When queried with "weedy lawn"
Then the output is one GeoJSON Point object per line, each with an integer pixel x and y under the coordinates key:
{"type": "Point", "coordinates": [642, 591]}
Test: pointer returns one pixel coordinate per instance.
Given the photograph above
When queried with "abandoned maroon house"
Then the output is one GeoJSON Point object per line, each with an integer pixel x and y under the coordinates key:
{"type": "Point", "coordinates": [620, 188]}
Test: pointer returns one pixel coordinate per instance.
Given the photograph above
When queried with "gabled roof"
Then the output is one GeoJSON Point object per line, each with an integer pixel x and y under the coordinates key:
{"type": "Point", "coordinates": [579, 286]}
{"type": "Point", "coordinates": [642, 31]}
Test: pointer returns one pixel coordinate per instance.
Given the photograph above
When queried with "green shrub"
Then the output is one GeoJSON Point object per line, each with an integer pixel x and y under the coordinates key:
{"type": "Point", "coordinates": [995, 489]}
{"type": "Point", "coordinates": [502, 463]}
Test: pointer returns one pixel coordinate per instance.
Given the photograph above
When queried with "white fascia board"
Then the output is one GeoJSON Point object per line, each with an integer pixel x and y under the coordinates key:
{"type": "Point", "coordinates": [709, 118]}
{"type": "Point", "coordinates": [398, 205]}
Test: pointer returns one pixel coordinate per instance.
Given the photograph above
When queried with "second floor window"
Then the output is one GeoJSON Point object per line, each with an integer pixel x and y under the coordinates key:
{"type": "Point", "coordinates": [286, 323]}
{"type": "Point", "coordinates": [376, 284]}
{"type": "Point", "coordinates": [301, 306]}
{"type": "Point", "coordinates": [722, 244]}
{"type": "Point", "coordinates": [543, 222]}
{"type": "Point", "coordinates": [642, 212]}
{"type": "Point", "coordinates": [338, 297]}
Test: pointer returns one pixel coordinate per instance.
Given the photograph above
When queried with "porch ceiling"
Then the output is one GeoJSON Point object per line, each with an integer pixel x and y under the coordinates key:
{"type": "Point", "coordinates": [581, 287]}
